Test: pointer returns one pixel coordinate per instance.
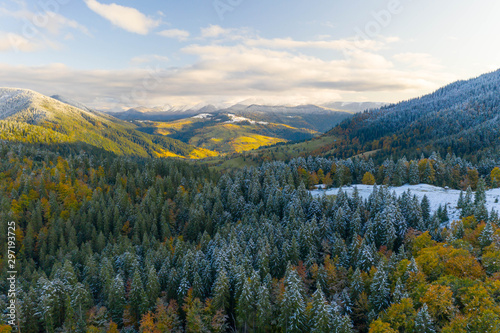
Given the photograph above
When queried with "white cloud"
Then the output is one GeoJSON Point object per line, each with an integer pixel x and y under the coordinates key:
{"type": "Point", "coordinates": [51, 22]}
{"type": "Point", "coordinates": [181, 35]}
{"type": "Point", "coordinates": [233, 74]}
{"type": "Point", "coordinates": [422, 61]}
{"type": "Point", "coordinates": [214, 31]}
{"type": "Point", "coordinates": [233, 65]}
{"type": "Point", "coordinates": [289, 43]}
{"type": "Point", "coordinates": [148, 58]}
{"type": "Point", "coordinates": [15, 42]}
{"type": "Point", "coordinates": [127, 18]}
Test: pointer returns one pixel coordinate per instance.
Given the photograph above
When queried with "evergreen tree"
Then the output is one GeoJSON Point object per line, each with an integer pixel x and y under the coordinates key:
{"type": "Point", "coordinates": [293, 309]}
{"type": "Point", "coordinates": [426, 209]}
{"type": "Point", "coordinates": [221, 291]}
{"type": "Point", "coordinates": [414, 173]}
{"type": "Point", "coordinates": [423, 321]}
{"type": "Point", "coordinates": [137, 298]}
{"type": "Point", "coordinates": [152, 287]}
{"type": "Point", "coordinates": [379, 289]}
{"type": "Point", "coordinates": [264, 309]}
{"type": "Point", "coordinates": [320, 313]}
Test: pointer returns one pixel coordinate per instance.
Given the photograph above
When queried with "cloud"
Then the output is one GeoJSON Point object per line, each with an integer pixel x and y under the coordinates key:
{"type": "Point", "coordinates": [49, 21]}
{"type": "Point", "coordinates": [15, 42]}
{"type": "Point", "coordinates": [181, 35]}
{"type": "Point", "coordinates": [234, 65]}
{"type": "Point", "coordinates": [127, 18]}
{"type": "Point", "coordinates": [38, 30]}
{"type": "Point", "coordinates": [232, 74]}
{"type": "Point", "coordinates": [214, 31]}
{"type": "Point", "coordinates": [423, 61]}
{"type": "Point", "coordinates": [148, 58]}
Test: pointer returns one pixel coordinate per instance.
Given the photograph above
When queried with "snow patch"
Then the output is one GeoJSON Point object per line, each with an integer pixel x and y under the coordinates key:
{"type": "Point", "coordinates": [203, 116]}
{"type": "Point", "coordinates": [437, 196]}
{"type": "Point", "coordinates": [238, 119]}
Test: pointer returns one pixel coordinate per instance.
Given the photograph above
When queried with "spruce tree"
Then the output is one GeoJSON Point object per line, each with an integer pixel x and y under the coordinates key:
{"type": "Point", "coordinates": [320, 313]}
{"type": "Point", "coordinates": [221, 291]}
{"type": "Point", "coordinates": [379, 289]}
{"type": "Point", "coordinates": [423, 321]}
{"type": "Point", "coordinates": [293, 308]}
{"type": "Point", "coordinates": [137, 298]}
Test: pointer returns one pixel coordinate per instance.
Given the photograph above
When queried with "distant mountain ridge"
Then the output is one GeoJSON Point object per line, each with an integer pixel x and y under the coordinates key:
{"type": "Point", "coordinates": [313, 117]}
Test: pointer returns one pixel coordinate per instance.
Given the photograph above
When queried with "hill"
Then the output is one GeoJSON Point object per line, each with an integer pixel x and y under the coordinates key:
{"type": "Point", "coordinates": [460, 118]}
{"type": "Point", "coordinates": [226, 133]}
{"type": "Point", "coordinates": [27, 116]}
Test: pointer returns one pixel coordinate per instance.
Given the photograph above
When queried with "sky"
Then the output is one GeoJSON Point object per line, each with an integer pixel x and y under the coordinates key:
{"type": "Point", "coordinates": [118, 54]}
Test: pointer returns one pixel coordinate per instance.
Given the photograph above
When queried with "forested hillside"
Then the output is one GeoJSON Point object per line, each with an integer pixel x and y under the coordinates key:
{"type": "Point", "coordinates": [26, 116]}
{"type": "Point", "coordinates": [109, 243]}
{"type": "Point", "coordinates": [461, 118]}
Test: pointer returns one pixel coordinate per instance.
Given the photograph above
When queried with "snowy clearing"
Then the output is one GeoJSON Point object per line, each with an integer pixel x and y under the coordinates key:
{"type": "Point", "coordinates": [237, 119]}
{"type": "Point", "coordinates": [437, 196]}
{"type": "Point", "coordinates": [203, 116]}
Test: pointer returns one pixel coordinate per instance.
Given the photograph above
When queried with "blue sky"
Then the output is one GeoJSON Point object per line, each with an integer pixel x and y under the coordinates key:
{"type": "Point", "coordinates": [124, 53]}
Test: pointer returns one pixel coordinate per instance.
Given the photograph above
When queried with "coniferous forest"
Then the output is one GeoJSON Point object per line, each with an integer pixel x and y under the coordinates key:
{"type": "Point", "coordinates": [122, 244]}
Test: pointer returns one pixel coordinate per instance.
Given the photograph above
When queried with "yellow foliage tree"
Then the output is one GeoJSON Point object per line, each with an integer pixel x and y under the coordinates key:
{"type": "Point", "coordinates": [495, 177]}
{"type": "Point", "coordinates": [439, 299]}
{"type": "Point", "coordinates": [5, 329]}
{"type": "Point", "coordinates": [368, 179]}
{"type": "Point", "coordinates": [113, 328]}
{"type": "Point", "coordinates": [401, 316]}
{"type": "Point", "coordinates": [378, 326]}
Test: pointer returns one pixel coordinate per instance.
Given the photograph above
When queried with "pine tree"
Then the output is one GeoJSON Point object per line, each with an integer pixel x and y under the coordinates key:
{"type": "Point", "coordinates": [399, 292]}
{"type": "Point", "coordinates": [247, 302]}
{"type": "Point", "coordinates": [426, 209]}
{"type": "Point", "coordinates": [414, 174]}
{"type": "Point", "coordinates": [480, 195]}
{"type": "Point", "coordinates": [461, 200]}
{"type": "Point", "coordinates": [320, 313]}
{"type": "Point", "coordinates": [423, 321]}
{"type": "Point", "coordinates": [137, 298]}
{"type": "Point", "coordinates": [152, 287]}
{"type": "Point", "coordinates": [357, 285]}
{"type": "Point", "coordinates": [486, 236]}
{"type": "Point", "coordinates": [293, 309]}
{"type": "Point", "coordinates": [221, 291]}
{"type": "Point", "coordinates": [468, 205]}
{"type": "Point", "coordinates": [379, 289]}
{"type": "Point", "coordinates": [264, 309]}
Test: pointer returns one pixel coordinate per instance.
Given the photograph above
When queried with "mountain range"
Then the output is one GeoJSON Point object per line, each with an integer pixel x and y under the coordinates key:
{"type": "Point", "coordinates": [27, 116]}
{"type": "Point", "coordinates": [461, 118]}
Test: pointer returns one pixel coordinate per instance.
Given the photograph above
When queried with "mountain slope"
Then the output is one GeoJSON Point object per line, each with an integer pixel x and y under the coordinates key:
{"type": "Point", "coordinates": [461, 118]}
{"type": "Point", "coordinates": [28, 116]}
{"type": "Point", "coordinates": [226, 133]}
